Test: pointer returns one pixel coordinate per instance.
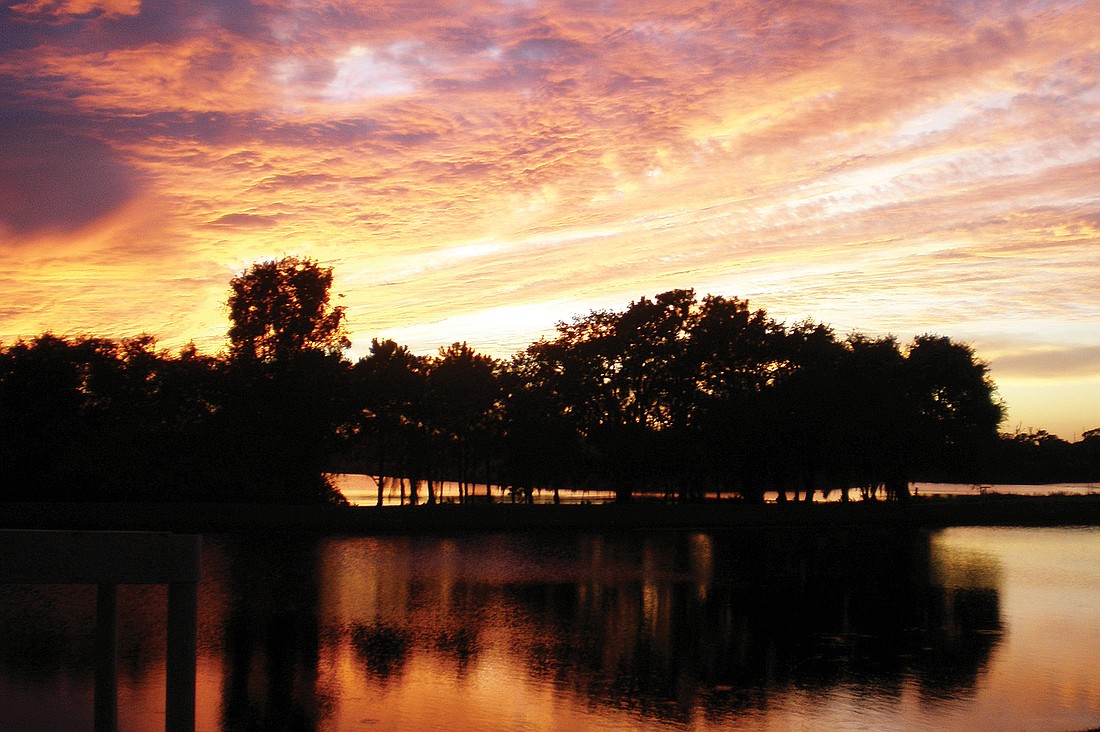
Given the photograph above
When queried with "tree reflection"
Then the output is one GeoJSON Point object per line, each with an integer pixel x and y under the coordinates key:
{"type": "Point", "coordinates": [677, 627]}
{"type": "Point", "coordinates": [673, 625]}
{"type": "Point", "coordinates": [383, 648]}
{"type": "Point", "coordinates": [807, 611]}
{"type": "Point", "coordinates": [460, 644]}
{"type": "Point", "coordinates": [272, 638]}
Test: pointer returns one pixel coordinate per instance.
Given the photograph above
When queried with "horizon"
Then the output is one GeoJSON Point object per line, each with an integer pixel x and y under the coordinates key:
{"type": "Point", "coordinates": [480, 173]}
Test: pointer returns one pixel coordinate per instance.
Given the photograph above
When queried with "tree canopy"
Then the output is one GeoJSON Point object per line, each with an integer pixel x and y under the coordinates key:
{"type": "Point", "coordinates": [280, 308]}
{"type": "Point", "coordinates": [675, 396]}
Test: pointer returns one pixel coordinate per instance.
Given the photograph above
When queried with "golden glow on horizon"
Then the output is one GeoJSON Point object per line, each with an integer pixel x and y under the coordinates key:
{"type": "Point", "coordinates": [479, 173]}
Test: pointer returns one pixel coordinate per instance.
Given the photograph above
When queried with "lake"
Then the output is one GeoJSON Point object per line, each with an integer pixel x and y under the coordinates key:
{"type": "Point", "coordinates": [362, 490]}
{"type": "Point", "coordinates": [958, 629]}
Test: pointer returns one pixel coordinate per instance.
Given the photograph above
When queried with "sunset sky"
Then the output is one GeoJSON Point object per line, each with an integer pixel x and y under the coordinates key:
{"type": "Point", "coordinates": [479, 170]}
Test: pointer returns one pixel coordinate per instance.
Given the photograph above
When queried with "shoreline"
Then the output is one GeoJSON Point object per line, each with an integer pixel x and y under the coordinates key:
{"type": "Point", "coordinates": [919, 512]}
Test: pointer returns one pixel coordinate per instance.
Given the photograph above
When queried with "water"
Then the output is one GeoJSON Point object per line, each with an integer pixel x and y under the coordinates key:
{"type": "Point", "coordinates": [960, 629]}
{"type": "Point", "coordinates": [1016, 489]}
{"type": "Point", "coordinates": [363, 491]}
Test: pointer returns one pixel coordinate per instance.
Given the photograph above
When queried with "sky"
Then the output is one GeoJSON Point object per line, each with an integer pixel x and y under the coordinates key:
{"type": "Point", "coordinates": [480, 170]}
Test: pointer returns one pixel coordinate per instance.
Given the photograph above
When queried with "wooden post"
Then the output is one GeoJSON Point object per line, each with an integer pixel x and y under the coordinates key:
{"type": "Point", "coordinates": [179, 704]}
{"type": "Point", "coordinates": [106, 658]}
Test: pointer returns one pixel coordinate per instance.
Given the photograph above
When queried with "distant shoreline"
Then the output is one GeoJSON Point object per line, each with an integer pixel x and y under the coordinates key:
{"type": "Point", "coordinates": [989, 510]}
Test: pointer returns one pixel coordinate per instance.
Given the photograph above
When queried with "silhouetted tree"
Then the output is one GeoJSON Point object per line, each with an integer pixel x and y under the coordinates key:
{"type": "Point", "coordinates": [1032, 457]}
{"type": "Point", "coordinates": [575, 374]}
{"type": "Point", "coordinates": [673, 395]}
{"type": "Point", "coordinates": [286, 381]}
{"type": "Point", "coordinates": [42, 415]}
{"type": "Point", "coordinates": [92, 418]}
{"type": "Point", "coordinates": [627, 382]}
{"type": "Point", "coordinates": [806, 407]}
{"type": "Point", "coordinates": [657, 383]}
{"type": "Point", "coordinates": [955, 410]}
{"type": "Point", "coordinates": [389, 384]}
{"type": "Point", "coordinates": [540, 445]}
{"type": "Point", "coordinates": [464, 394]}
{"type": "Point", "coordinates": [876, 436]}
{"type": "Point", "coordinates": [280, 308]}
{"type": "Point", "coordinates": [738, 354]}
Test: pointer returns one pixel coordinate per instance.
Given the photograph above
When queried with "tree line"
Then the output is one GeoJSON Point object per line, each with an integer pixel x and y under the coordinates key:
{"type": "Point", "coordinates": [679, 396]}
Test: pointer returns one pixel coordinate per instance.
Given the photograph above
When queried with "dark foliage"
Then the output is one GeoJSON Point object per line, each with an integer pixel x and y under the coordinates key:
{"type": "Point", "coordinates": [280, 308]}
{"type": "Point", "coordinates": [675, 396]}
{"type": "Point", "coordinates": [1040, 457]}
{"type": "Point", "coordinates": [94, 419]}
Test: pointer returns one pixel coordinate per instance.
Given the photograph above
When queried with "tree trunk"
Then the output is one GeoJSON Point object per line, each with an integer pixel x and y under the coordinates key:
{"type": "Point", "coordinates": [381, 464]}
{"type": "Point", "coordinates": [897, 489]}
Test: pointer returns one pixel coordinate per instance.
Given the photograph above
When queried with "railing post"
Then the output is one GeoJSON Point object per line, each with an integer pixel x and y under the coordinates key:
{"type": "Point", "coordinates": [106, 658]}
{"type": "Point", "coordinates": [182, 649]}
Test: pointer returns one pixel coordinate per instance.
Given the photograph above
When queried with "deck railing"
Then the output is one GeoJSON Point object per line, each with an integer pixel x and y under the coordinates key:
{"type": "Point", "coordinates": [108, 559]}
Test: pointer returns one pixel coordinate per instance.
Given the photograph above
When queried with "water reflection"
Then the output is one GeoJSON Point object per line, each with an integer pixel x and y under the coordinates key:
{"type": "Point", "coordinates": [272, 637]}
{"type": "Point", "coordinates": [542, 631]}
{"type": "Point", "coordinates": [668, 625]}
